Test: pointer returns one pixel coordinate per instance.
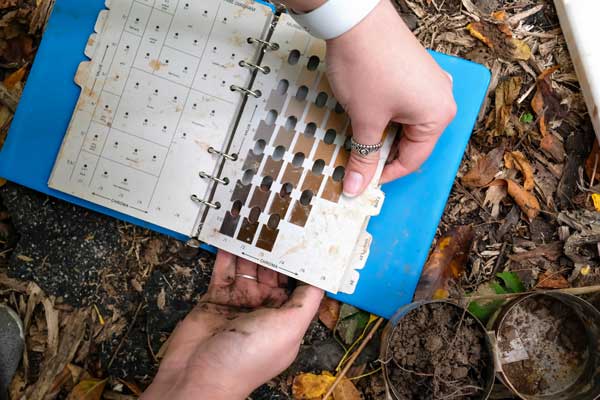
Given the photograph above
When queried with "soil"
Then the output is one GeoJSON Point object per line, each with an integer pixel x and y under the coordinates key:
{"type": "Point", "coordinates": [543, 346]}
{"type": "Point", "coordinates": [439, 352]}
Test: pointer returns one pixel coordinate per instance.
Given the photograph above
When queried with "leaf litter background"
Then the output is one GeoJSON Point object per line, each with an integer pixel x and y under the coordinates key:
{"type": "Point", "coordinates": [99, 297]}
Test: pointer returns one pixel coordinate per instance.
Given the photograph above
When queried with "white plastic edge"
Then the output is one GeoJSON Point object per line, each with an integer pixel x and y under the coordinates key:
{"type": "Point", "coordinates": [578, 20]}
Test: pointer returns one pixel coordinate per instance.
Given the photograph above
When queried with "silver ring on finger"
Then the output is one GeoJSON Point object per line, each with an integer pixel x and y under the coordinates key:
{"type": "Point", "coordinates": [364, 150]}
{"type": "Point", "coordinates": [253, 278]}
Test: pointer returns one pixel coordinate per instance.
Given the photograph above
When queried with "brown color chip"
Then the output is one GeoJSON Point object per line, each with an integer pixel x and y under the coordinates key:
{"type": "Point", "coordinates": [312, 182]}
{"type": "Point", "coordinates": [264, 131]}
{"type": "Point", "coordinates": [240, 193]}
{"type": "Point", "coordinates": [247, 231]}
{"type": "Point", "coordinates": [259, 198]}
{"type": "Point", "coordinates": [295, 108]}
{"type": "Point", "coordinates": [284, 138]}
{"type": "Point", "coordinates": [333, 190]}
{"type": "Point", "coordinates": [276, 101]}
{"type": "Point", "coordinates": [272, 167]}
{"type": "Point", "coordinates": [307, 78]}
{"type": "Point", "coordinates": [336, 121]}
{"type": "Point", "coordinates": [292, 174]}
{"type": "Point", "coordinates": [266, 239]}
{"type": "Point", "coordinates": [304, 144]}
{"type": "Point", "coordinates": [342, 158]}
{"type": "Point", "coordinates": [252, 161]}
{"type": "Point", "coordinates": [325, 152]}
{"type": "Point", "coordinates": [316, 114]}
{"type": "Point", "coordinates": [230, 224]}
{"type": "Point", "coordinates": [300, 214]}
{"type": "Point", "coordinates": [280, 205]}
{"type": "Point", "coordinates": [324, 86]}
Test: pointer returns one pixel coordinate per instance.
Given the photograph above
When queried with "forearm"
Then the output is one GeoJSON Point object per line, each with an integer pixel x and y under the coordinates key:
{"type": "Point", "coordinates": [302, 5]}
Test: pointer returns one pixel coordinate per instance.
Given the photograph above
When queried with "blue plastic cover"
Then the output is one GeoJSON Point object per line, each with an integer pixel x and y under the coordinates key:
{"type": "Point", "coordinates": [402, 233]}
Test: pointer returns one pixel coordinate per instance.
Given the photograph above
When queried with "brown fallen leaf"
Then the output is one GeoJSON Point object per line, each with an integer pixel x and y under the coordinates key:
{"type": "Point", "coordinates": [89, 389]}
{"type": "Point", "coordinates": [524, 199]}
{"type": "Point", "coordinates": [592, 163]}
{"type": "Point", "coordinates": [345, 390]}
{"type": "Point", "coordinates": [552, 280]}
{"type": "Point", "coordinates": [135, 389]}
{"type": "Point", "coordinates": [499, 38]}
{"type": "Point", "coordinates": [484, 170]}
{"type": "Point", "coordinates": [329, 312]}
{"type": "Point", "coordinates": [447, 262]}
{"type": "Point", "coordinates": [16, 77]}
{"type": "Point", "coordinates": [551, 145]}
{"type": "Point", "coordinates": [505, 95]}
{"type": "Point", "coordinates": [516, 160]}
{"type": "Point", "coordinates": [550, 251]}
{"type": "Point", "coordinates": [307, 386]}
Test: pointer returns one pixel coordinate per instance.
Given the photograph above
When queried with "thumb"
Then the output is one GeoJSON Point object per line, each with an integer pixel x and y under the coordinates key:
{"type": "Point", "coordinates": [302, 306]}
{"type": "Point", "coordinates": [413, 150]}
{"type": "Point", "coordinates": [361, 169]}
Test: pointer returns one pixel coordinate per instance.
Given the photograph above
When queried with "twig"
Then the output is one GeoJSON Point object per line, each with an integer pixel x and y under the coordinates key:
{"type": "Point", "coordinates": [574, 291]}
{"type": "Point", "coordinates": [133, 321]}
{"type": "Point", "coordinates": [344, 371]}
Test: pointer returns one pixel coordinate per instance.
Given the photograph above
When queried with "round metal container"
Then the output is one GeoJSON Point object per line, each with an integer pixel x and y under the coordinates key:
{"type": "Point", "coordinates": [548, 347]}
{"type": "Point", "coordinates": [397, 319]}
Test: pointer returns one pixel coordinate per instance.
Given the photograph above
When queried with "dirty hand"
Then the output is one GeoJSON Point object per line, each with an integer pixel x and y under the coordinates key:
{"type": "Point", "coordinates": [380, 73]}
{"type": "Point", "coordinates": [223, 349]}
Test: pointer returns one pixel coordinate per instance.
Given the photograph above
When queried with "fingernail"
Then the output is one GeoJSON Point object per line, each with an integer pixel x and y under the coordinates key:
{"type": "Point", "coordinates": [352, 183]}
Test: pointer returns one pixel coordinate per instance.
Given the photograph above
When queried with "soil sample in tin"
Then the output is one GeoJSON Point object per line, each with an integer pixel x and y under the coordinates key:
{"type": "Point", "coordinates": [543, 346]}
{"type": "Point", "coordinates": [439, 352]}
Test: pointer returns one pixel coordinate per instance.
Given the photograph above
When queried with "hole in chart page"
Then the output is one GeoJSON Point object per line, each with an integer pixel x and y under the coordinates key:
{"type": "Point", "coordinates": [298, 159]}
{"type": "Point", "coordinates": [259, 147]}
{"type": "Point", "coordinates": [290, 123]}
{"type": "Point", "coordinates": [311, 129]}
{"type": "Point", "coordinates": [306, 197]}
{"type": "Point", "coordinates": [278, 153]}
{"type": "Point", "coordinates": [266, 183]}
{"type": "Point", "coordinates": [302, 93]}
{"type": "Point", "coordinates": [338, 174]}
{"type": "Point", "coordinates": [318, 167]}
{"type": "Point", "coordinates": [294, 57]}
{"type": "Point", "coordinates": [313, 63]}
{"type": "Point", "coordinates": [329, 137]}
{"type": "Point", "coordinates": [271, 117]}
{"type": "Point", "coordinates": [282, 87]}
{"type": "Point", "coordinates": [321, 99]}
{"type": "Point", "coordinates": [247, 177]}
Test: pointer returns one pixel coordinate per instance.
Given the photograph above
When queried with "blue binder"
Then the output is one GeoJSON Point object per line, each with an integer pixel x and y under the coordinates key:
{"type": "Point", "coordinates": [402, 233]}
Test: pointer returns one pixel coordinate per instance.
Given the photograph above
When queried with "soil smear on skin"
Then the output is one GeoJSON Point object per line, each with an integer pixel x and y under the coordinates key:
{"type": "Point", "coordinates": [543, 346]}
{"type": "Point", "coordinates": [438, 351]}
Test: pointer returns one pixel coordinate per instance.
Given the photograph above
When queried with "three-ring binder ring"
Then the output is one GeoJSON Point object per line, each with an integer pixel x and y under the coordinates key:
{"type": "Point", "coordinates": [268, 45]}
{"type": "Point", "coordinates": [245, 64]}
{"type": "Point", "coordinates": [198, 200]}
{"type": "Point", "coordinates": [231, 157]}
{"type": "Point", "coordinates": [245, 91]}
{"type": "Point", "coordinates": [204, 175]}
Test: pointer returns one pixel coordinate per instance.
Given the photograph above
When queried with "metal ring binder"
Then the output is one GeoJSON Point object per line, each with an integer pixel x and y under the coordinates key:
{"type": "Point", "coordinates": [245, 91]}
{"type": "Point", "coordinates": [198, 200]}
{"type": "Point", "coordinates": [268, 45]}
{"type": "Point", "coordinates": [265, 70]}
{"type": "Point", "coordinates": [224, 181]}
{"type": "Point", "coordinates": [231, 157]}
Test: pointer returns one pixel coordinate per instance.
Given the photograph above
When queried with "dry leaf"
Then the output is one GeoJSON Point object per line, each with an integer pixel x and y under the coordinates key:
{"type": "Point", "coordinates": [52, 315]}
{"type": "Point", "coordinates": [499, 38]}
{"type": "Point", "coordinates": [307, 386]}
{"type": "Point", "coordinates": [553, 146]}
{"type": "Point", "coordinates": [89, 389]}
{"type": "Point", "coordinates": [505, 95]}
{"type": "Point", "coordinates": [484, 170]}
{"type": "Point", "coordinates": [524, 199]}
{"type": "Point", "coordinates": [161, 300]}
{"type": "Point", "coordinates": [494, 195]}
{"type": "Point", "coordinates": [135, 389]}
{"type": "Point", "coordinates": [552, 280]}
{"type": "Point", "coordinates": [592, 164]}
{"type": "Point", "coordinates": [11, 80]}
{"type": "Point", "coordinates": [345, 390]}
{"type": "Point", "coordinates": [516, 160]}
{"type": "Point", "coordinates": [546, 103]}
{"type": "Point", "coordinates": [329, 312]}
{"type": "Point", "coordinates": [550, 251]}
{"type": "Point", "coordinates": [447, 262]}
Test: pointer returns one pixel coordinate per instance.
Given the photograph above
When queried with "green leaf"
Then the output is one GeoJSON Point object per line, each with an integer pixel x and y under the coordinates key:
{"type": "Point", "coordinates": [351, 323]}
{"type": "Point", "coordinates": [483, 312]}
{"type": "Point", "coordinates": [511, 281]}
{"type": "Point", "coordinates": [527, 118]}
{"type": "Point", "coordinates": [498, 288]}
